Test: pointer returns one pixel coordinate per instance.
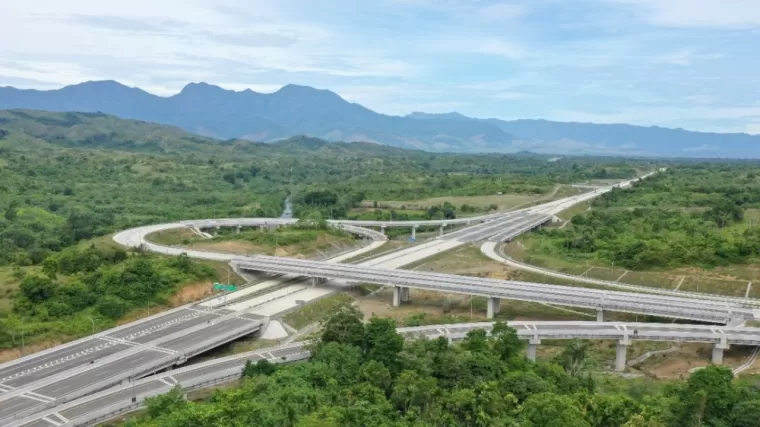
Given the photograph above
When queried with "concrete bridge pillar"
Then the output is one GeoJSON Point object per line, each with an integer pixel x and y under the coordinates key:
{"type": "Point", "coordinates": [382, 229]}
{"type": "Point", "coordinates": [441, 230]}
{"type": "Point", "coordinates": [238, 228]}
{"type": "Point", "coordinates": [533, 344]}
{"type": "Point", "coordinates": [405, 294]}
{"type": "Point", "coordinates": [414, 231]}
{"type": "Point", "coordinates": [396, 296]}
{"type": "Point", "coordinates": [717, 351]}
{"type": "Point", "coordinates": [492, 307]}
{"type": "Point", "coordinates": [621, 353]}
{"type": "Point", "coordinates": [317, 280]}
{"type": "Point", "coordinates": [599, 315]}
{"type": "Point", "coordinates": [216, 230]}
{"type": "Point", "coordinates": [261, 228]}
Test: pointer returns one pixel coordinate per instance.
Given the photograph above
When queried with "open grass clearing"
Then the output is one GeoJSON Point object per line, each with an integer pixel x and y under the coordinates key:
{"type": "Point", "coordinates": [317, 311]}
{"type": "Point", "coordinates": [503, 201]}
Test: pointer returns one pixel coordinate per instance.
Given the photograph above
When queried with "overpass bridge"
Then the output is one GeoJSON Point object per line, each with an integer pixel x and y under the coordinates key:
{"type": "Point", "coordinates": [496, 290]}
{"type": "Point", "coordinates": [122, 399]}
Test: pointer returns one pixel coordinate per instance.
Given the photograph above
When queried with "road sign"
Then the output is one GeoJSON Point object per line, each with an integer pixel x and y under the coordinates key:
{"type": "Point", "coordinates": [223, 287]}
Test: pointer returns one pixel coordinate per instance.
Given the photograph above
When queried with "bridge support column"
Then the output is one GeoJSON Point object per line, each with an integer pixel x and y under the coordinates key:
{"type": "Point", "coordinates": [440, 232]}
{"type": "Point", "coordinates": [414, 232]}
{"type": "Point", "coordinates": [620, 354]}
{"type": "Point", "coordinates": [492, 307]}
{"type": "Point", "coordinates": [404, 294]}
{"type": "Point", "coordinates": [717, 351]}
{"type": "Point", "coordinates": [237, 229]}
{"type": "Point", "coordinates": [216, 231]}
{"type": "Point", "coordinates": [599, 315]}
{"type": "Point", "coordinates": [396, 296]}
{"type": "Point", "coordinates": [382, 229]}
{"type": "Point", "coordinates": [532, 347]}
{"type": "Point", "coordinates": [261, 228]}
{"type": "Point", "coordinates": [317, 280]}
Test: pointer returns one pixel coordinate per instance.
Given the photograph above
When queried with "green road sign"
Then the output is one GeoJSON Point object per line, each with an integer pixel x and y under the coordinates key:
{"type": "Point", "coordinates": [223, 287]}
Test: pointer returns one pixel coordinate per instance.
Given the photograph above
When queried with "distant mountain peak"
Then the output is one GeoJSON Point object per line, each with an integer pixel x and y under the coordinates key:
{"type": "Point", "coordinates": [450, 116]}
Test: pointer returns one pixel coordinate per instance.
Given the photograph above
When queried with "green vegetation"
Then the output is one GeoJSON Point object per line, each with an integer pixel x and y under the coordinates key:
{"type": "Point", "coordinates": [366, 375]}
{"type": "Point", "coordinates": [697, 214]}
{"type": "Point", "coordinates": [102, 285]}
{"type": "Point", "coordinates": [67, 179]}
{"type": "Point", "coordinates": [317, 311]}
{"type": "Point", "coordinates": [295, 239]}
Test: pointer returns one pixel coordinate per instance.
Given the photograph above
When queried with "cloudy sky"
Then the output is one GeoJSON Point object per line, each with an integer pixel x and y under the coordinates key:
{"type": "Point", "coordinates": [676, 63]}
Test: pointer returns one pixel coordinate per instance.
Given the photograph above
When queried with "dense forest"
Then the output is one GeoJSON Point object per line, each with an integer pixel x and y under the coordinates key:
{"type": "Point", "coordinates": [366, 375]}
{"type": "Point", "coordinates": [692, 214]}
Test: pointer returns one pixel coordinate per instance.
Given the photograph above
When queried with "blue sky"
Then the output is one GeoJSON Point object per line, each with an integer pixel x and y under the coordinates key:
{"type": "Point", "coordinates": [676, 63]}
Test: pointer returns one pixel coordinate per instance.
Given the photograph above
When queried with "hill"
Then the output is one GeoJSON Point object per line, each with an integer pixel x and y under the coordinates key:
{"type": "Point", "coordinates": [293, 110]}
{"type": "Point", "coordinates": [214, 112]}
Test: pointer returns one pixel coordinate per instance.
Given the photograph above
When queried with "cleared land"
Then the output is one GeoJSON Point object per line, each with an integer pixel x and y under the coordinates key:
{"type": "Point", "coordinates": [286, 241]}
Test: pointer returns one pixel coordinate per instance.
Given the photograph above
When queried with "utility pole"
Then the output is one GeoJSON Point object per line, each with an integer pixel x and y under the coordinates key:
{"type": "Point", "coordinates": [22, 337]}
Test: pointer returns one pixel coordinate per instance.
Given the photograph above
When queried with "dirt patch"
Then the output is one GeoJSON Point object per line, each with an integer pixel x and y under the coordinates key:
{"type": "Point", "coordinates": [190, 293]}
{"type": "Point", "coordinates": [228, 246]}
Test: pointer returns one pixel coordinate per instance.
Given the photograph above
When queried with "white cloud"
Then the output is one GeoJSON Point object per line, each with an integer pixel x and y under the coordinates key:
{"type": "Point", "coordinates": [502, 48]}
{"type": "Point", "coordinates": [699, 13]}
{"type": "Point", "coordinates": [501, 12]}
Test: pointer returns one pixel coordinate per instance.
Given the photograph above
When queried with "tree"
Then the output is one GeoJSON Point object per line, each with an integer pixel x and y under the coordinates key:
{"type": "Point", "coordinates": [506, 343]}
{"type": "Point", "coordinates": [377, 374]}
{"type": "Point", "coordinates": [640, 421]}
{"type": "Point", "coordinates": [37, 288]}
{"type": "Point", "coordinates": [344, 327]}
{"type": "Point", "coordinates": [573, 357]}
{"type": "Point", "coordinates": [707, 398]}
{"type": "Point", "coordinates": [411, 390]}
{"type": "Point", "coordinates": [11, 211]}
{"type": "Point", "coordinates": [172, 401]}
{"type": "Point", "coordinates": [612, 410]}
{"type": "Point", "coordinates": [746, 414]}
{"type": "Point", "coordinates": [476, 341]}
{"type": "Point", "coordinates": [550, 410]}
{"type": "Point", "coordinates": [261, 367]}
{"type": "Point", "coordinates": [382, 343]}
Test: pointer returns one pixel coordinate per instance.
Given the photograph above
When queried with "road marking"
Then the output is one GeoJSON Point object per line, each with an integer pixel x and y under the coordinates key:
{"type": "Point", "coordinates": [39, 396]}
{"type": "Point", "coordinates": [680, 282]}
{"type": "Point", "coordinates": [110, 341]}
{"type": "Point", "coordinates": [61, 417]}
{"type": "Point", "coordinates": [55, 423]}
{"type": "Point", "coordinates": [4, 387]}
{"type": "Point", "coordinates": [167, 382]}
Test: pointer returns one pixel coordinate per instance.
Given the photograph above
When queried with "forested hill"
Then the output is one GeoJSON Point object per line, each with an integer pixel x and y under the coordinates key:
{"type": "Point", "coordinates": [212, 111]}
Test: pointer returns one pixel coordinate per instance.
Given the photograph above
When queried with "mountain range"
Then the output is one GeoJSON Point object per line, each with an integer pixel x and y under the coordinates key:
{"type": "Point", "coordinates": [214, 112]}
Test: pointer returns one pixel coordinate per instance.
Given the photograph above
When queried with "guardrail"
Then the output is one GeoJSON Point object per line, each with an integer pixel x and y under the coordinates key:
{"type": "Point", "coordinates": [141, 370]}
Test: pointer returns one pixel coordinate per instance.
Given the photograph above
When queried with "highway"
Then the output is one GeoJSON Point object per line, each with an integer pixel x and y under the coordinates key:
{"type": "Point", "coordinates": [115, 401]}
{"type": "Point", "coordinates": [58, 375]}
{"type": "Point", "coordinates": [67, 372]}
{"type": "Point", "coordinates": [646, 304]}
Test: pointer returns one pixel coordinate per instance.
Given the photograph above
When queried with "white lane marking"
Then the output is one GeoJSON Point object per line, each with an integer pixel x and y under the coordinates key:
{"type": "Point", "coordinates": [4, 387]}
{"type": "Point", "coordinates": [39, 396]}
{"type": "Point", "coordinates": [110, 341]}
{"type": "Point", "coordinates": [55, 423]}
{"type": "Point", "coordinates": [38, 399]}
{"type": "Point", "coordinates": [61, 417]}
{"type": "Point", "coordinates": [167, 382]}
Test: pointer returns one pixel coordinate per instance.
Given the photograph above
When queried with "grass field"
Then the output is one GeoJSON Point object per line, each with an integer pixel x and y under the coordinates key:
{"type": "Point", "coordinates": [316, 311]}
{"type": "Point", "coordinates": [291, 243]}
{"type": "Point", "coordinates": [728, 280]}
{"type": "Point", "coordinates": [503, 201]}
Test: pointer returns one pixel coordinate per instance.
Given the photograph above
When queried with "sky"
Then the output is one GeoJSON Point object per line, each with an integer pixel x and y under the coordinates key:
{"type": "Point", "coordinates": [674, 63]}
